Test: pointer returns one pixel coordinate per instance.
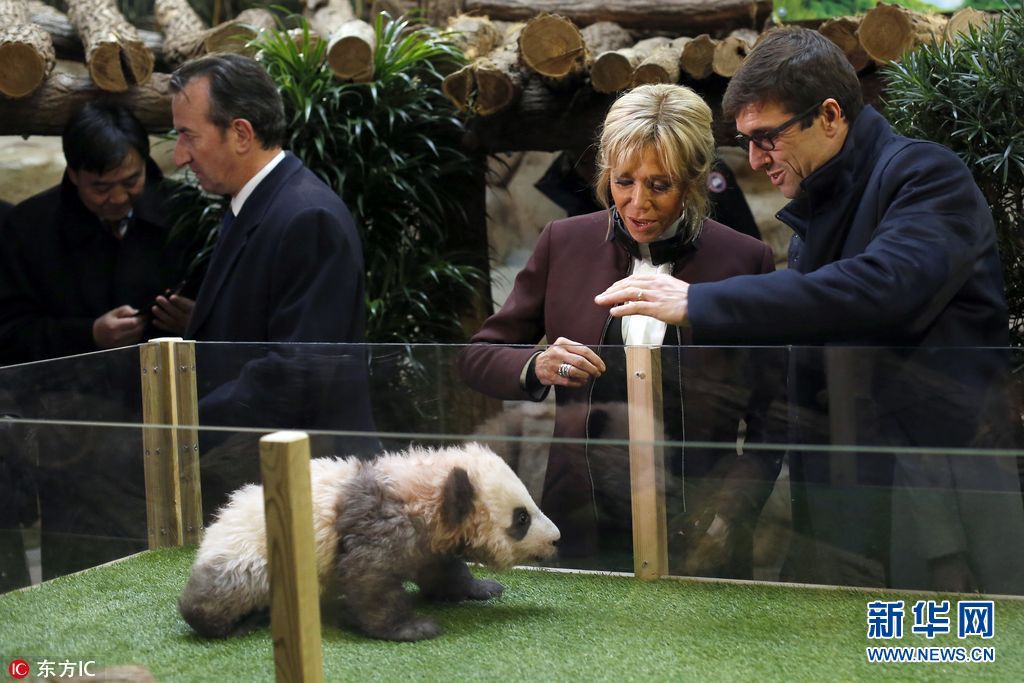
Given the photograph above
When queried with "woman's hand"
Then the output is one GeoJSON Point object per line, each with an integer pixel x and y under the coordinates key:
{"type": "Point", "coordinates": [568, 364]}
{"type": "Point", "coordinates": [658, 296]}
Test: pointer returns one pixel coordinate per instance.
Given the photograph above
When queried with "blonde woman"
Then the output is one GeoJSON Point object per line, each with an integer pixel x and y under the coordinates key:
{"type": "Point", "coordinates": [655, 153]}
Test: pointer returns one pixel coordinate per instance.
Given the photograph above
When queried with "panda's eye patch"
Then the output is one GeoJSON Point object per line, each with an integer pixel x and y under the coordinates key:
{"type": "Point", "coordinates": [520, 524]}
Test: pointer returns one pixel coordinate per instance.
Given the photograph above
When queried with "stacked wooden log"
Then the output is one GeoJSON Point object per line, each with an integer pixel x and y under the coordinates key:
{"type": "Point", "coordinates": [114, 52]}
{"type": "Point", "coordinates": [552, 48]}
{"type": "Point", "coordinates": [514, 55]}
{"type": "Point", "coordinates": [26, 51]}
{"type": "Point", "coordinates": [350, 41]}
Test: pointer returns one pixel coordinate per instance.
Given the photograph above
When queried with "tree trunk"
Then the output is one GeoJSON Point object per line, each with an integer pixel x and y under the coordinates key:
{"type": "Point", "coordinates": [460, 87]}
{"type": "Point", "coordinates": [963, 19]}
{"type": "Point", "coordinates": [351, 41]}
{"type": "Point", "coordinates": [491, 83]}
{"type": "Point", "coordinates": [115, 54]}
{"type": "Point", "coordinates": [48, 109]}
{"type": "Point", "coordinates": [552, 46]}
{"type": "Point", "coordinates": [843, 32]}
{"type": "Point", "coordinates": [662, 65]}
{"type": "Point", "coordinates": [697, 56]}
{"type": "Point", "coordinates": [672, 16]}
{"type": "Point", "coordinates": [182, 29]}
{"type": "Point", "coordinates": [731, 51]}
{"type": "Point", "coordinates": [613, 71]}
{"type": "Point", "coordinates": [475, 36]}
{"type": "Point", "coordinates": [604, 36]}
{"type": "Point", "coordinates": [499, 78]}
{"type": "Point", "coordinates": [600, 39]}
{"type": "Point", "coordinates": [65, 39]}
{"type": "Point", "coordinates": [888, 31]}
{"type": "Point", "coordinates": [26, 51]}
{"type": "Point", "coordinates": [235, 35]}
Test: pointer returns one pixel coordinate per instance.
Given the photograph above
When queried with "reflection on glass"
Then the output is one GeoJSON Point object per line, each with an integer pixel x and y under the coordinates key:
{"type": "Point", "coordinates": [848, 466]}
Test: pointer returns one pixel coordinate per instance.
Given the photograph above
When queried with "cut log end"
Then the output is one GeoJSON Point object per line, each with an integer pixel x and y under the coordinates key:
{"type": "Point", "coordinates": [888, 31]}
{"type": "Point", "coordinates": [459, 86]}
{"type": "Point", "coordinates": [552, 46]}
{"type": "Point", "coordinates": [697, 56]}
{"type": "Point", "coordinates": [729, 56]}
{"type": "Point", "coordinates": [963, 19]}
{"type": "Point", "coordinates": [350, 57]}
{"type": "Point", "coordinates": [843, 32]}
{"type": "Point", "coordinates": [138, 61]}
{"type": "Point", "coordinates": [612, 72]}
{"type": "Point", "coordinates": [229, 38]}
{"type": "Point", "coordinates": [105, 68]}
{"type": "Point", "coordinates": [651, 74]}
{"type": "Point", "coordinates": [495, 91]}
{"type": "Point", "coordinates": [22, 70]}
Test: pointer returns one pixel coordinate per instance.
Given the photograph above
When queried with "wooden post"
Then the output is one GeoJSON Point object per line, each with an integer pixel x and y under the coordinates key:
{"type": "Point", "coordinates": [646, 462]}
{"type": "Point", "coordinates": [294, 586]}
{"type": "Point", "coordinates": [188, 442]}
{"type": "Point", "coordinates": [170, 455]}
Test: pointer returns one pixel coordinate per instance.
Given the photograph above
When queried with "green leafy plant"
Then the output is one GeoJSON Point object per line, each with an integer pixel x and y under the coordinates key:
{"type": "Point", "coordinates": [969, 95]}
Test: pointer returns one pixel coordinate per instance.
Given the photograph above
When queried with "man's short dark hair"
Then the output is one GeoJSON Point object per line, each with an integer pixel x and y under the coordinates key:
{"type": "Point", "coordinates": [794, 68]}
{"type": "Point", "coordinates": [99, 136]}
{"type": "Point", "coordinates": [239, 89]}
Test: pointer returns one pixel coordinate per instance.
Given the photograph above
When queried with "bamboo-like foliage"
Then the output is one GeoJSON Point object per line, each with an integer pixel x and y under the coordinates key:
{"type": "Point", "coordinates": [969, 95]}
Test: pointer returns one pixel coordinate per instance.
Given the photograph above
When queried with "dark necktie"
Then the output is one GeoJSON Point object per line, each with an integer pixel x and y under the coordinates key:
{"type": "Point", "coordinates": [226, 221]}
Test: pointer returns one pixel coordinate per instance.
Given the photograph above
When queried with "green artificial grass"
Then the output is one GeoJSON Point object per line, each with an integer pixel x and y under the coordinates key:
{"type": "Point", "coordinates": [548, 626]}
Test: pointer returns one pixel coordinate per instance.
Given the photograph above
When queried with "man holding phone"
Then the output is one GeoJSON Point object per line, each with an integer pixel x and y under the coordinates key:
{"type": "Point", "coordinates": [87, 265]}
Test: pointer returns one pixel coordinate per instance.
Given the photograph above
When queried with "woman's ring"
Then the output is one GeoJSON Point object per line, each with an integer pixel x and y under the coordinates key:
{"type": "Point", "coordinates": [639, 295]}
{"type": "Point", "coordinates": [563, 370]}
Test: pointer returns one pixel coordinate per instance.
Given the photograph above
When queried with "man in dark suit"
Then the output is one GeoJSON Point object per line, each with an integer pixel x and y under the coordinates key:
{"type": "Point", "coordinates": [894, 249]}
{"type": "Point", "coordinates": [287, 267]}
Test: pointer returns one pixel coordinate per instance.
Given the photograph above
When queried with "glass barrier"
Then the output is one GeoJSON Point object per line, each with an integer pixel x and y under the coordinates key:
{"type": "Point", "coordinates": [841, 466]}
{"type": "Point", "coordinates": [71, 479]}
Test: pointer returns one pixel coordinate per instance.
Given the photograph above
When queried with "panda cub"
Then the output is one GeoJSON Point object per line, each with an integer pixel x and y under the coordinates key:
{"type": "Point", "coordinates": [411, 516]}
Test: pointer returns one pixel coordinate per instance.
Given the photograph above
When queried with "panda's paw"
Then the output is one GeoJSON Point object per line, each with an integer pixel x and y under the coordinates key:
{"type": "Point", "coordinates": [417, 628]}
{"type": "Point", "coordinates": [484, 589]}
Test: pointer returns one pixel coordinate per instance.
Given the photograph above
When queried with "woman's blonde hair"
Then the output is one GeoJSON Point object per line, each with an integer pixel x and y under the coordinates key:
{"type": "Point", "coordinates": [676, 122]}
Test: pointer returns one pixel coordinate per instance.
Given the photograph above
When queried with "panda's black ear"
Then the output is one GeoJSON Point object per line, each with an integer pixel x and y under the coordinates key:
{"type": "Point", "coordinates": [457, 501]}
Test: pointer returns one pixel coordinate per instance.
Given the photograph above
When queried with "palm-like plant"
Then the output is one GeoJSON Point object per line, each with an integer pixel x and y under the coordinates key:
{"type": "Point", "coordinates": [969, 95]}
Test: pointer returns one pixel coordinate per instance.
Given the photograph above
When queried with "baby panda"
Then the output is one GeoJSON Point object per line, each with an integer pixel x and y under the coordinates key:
{"type": "Point", "coordinates": [413, 516]}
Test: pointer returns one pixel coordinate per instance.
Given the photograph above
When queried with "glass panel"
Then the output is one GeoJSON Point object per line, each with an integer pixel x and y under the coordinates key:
{"type": "Point", "coordinates": [848, 466]}
{"type": "Point", "coordinates": [72, 493]}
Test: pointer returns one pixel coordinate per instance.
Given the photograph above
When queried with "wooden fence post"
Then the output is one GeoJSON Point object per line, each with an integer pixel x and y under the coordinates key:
{"type": "Point", "coordinates": [647, 461]}
{"type": "Point", "coordinates": [294, 585]}
{"type": "Point", "coordinates": [170, 442]}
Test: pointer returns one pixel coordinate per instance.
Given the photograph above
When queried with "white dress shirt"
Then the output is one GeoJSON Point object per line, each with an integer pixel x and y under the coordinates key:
{"type": "Point", "coordinates": [239, 199]}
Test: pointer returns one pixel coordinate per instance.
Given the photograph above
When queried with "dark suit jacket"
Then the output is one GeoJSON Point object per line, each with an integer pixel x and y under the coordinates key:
{"type": "Point", "coordinates": [60, 269]}
{"type": "Point", "coordinates": [894, 248]}
{"type": "Point", "coordinates": [290, 268]}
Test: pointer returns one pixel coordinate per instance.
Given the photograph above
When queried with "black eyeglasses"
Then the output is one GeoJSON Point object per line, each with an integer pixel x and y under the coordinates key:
{"type": "Point", "coordinates": [764, 140]}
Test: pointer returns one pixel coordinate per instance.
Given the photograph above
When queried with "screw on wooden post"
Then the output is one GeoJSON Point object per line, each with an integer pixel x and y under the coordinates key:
{"type": "Point", "coordinates": [646, 461]}
{"type": "Point", "coordinates": [294, 587]}
{"type": "Point", "coordinates": [170, 439]}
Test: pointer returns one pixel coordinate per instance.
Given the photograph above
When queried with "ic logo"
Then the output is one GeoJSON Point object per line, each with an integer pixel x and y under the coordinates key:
{"type": "Point", "coordinates": [18, 669]}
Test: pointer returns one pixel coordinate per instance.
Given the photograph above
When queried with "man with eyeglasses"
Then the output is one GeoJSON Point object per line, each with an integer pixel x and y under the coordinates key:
{"type": "Point", "coordinates": [894, 249]}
